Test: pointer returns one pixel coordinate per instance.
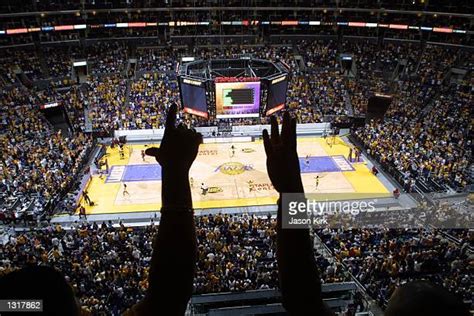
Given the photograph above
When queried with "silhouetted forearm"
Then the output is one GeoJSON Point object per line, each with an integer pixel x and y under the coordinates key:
{"type": "Point", "coordinates": [299, 276]}
{"type": "Point", "coordinates": [174, 252]}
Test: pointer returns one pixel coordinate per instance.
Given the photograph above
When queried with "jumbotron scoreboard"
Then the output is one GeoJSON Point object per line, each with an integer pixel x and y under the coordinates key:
{"type": "Point", "coordinates": [232, 88]}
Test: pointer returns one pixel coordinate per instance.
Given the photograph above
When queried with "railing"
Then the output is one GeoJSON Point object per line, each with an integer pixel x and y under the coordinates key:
{"type": "Point", "coordinates": [53, 202]}
{"type": "Point", "coordinates": [369, 302]}
{"type": "Point", "coordinates": [237, 302]}
{"type": "Point", "coordinates": [211, 131]}
{"type": "Point", "coordinates": [377, 12]}
{"type": "Point", "coordinates": [422, 185]}
{"type": "Point", "coordinates": [389, 168]}
{"type": "Point", "coordinates": [273, 37]}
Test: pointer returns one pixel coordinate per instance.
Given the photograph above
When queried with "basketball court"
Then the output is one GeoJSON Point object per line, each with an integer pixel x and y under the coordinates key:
{"type": "Point", "coordinates": [223, 176]}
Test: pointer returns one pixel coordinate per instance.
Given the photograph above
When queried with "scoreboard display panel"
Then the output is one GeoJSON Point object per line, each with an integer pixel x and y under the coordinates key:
{"type": "Point", "coordinates": [193, 97]}
{"type": "Point", "coordinates": [237, 99]}
{"type": "Point", "coordinates": [276, 96]}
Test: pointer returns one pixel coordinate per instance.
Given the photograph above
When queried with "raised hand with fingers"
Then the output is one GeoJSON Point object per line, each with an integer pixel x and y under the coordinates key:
{"type": "Point", "coordinates": [283, 165]}
{"type": "Point", "coordinates": [178, 150]}
{"type": "Point", "coordinates": [179, 146]}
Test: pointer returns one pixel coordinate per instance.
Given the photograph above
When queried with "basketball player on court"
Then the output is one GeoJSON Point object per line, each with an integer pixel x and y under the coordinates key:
{"type": "Point", "coordinates": [250, 183]}
{"type": "Point", "coordinates": [204, 189]}
{"type": "Point", "coordinates": [316, 182]}
{"type": "Point", "coordinates": [191, 182]}
{"type": "Point", "coordinates": [232, 151]}
{"type": "Point", "coordinates": [143, 155]}
{"type": "Point", "coordinates": [306, 162]}
{"type": "Point", "coordinates": [125, 190]}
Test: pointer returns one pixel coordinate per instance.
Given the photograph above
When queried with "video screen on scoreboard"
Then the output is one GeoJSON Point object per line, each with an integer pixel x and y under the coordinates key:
{"type": "Point", "coordinates": [276, 96]}
{"type": "Point", "coordinates": [193, 97]}
{"type": "Point", "coordinates": [237, 99]}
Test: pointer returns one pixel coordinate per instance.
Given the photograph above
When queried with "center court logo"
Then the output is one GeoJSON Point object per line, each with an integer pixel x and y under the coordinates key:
{"type": "Point", "coordinates": [233, 168]}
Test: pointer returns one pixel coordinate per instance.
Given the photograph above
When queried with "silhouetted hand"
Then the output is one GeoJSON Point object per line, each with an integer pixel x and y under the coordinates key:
{"type": "Point", "coordinates": [179, 146]}
{"type": "Point", "coordinates": [178, 149]}
{"type": "Point", "coordinates": [283, 165]}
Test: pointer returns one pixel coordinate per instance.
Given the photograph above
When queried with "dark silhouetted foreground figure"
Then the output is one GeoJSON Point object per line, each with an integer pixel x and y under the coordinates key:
{"type": "Point", "coordinates": [42, 283]}
{"type": "Point", "coordinates": [175, 250]}
{"type": "Point", "coordinates": [424, 298]}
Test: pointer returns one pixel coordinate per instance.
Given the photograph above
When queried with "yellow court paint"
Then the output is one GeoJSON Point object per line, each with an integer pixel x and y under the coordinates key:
{"type": "Point", "coordinates": [234, 179]}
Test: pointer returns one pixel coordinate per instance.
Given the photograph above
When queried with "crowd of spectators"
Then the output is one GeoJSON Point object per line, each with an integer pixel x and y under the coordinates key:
{"type": "Point", "coordinates": [375, 68]}
{"type": "Point", "coordinates": [104, 100]}
{"type": "Point", "coordinates": [108, 266]}
{"type": "Point", "coordinates": [38, 163]}
{"type": "Point", "coordinates": [445, 6]}
{"type": "Point", "coordinates": [384, 259]}
{"type": "Point", "coordinates": [107, 57]}
{"type": "Point", "coordinates": [72, 99]}
{"type": "Point", "coordinates": [157, 60]}
{"type": "Point", "coordinates": [29, 63]}
{"type": "Point", "coordinates": [56, 61]}
{"type": "Point", "coordinates": [7, 73]}
{"type": "Point", "coordinates": [319, 54]}
{"type": "Point", "coordinates": [425, 134]}
{"type": "Point", "coordinates": [149, 96]}
{"type": "Point", "coordinates": [20, 60]}
{"type": "Point", "coordinates": [430, 144]}
{"type": "Point", "coordinates": [328, 92]}
{"type": "Point", "coordinates": [59, 59]}
{"type": "Point", "coordinates": [237, 253]}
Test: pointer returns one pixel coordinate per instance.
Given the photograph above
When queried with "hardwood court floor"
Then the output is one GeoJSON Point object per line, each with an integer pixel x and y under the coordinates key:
{"type": "Point", "coordinates": [233, 180]}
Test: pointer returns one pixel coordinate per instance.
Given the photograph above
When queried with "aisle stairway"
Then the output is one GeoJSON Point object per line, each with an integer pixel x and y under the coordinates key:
{"type": "Point", "coordinates": [87, 121]}
{"type": "Point", "coordinates": [42, 61]}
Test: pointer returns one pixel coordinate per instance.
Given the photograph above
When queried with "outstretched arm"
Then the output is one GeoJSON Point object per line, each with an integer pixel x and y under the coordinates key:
{"type": "Point", "coordinates": [299, 277]}
{"type": "Point", "coordinates": [174, 251]}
